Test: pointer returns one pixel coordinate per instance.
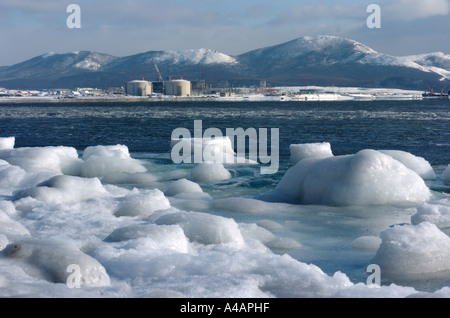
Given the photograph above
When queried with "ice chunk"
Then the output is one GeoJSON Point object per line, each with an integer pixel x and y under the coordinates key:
{"type": "Point", "coordinates": [221, 143]}
{"type": "Point", "coordinates": [11, 228]}
{"type": "Point", "coordinates": [418, 164]}
{"type": "Point", "coordinates": [411, 252]}
{"type": "Point", "coordinates": [7, 142]}
{"type": "Point", "coordinates": [209, 171]}
{"type": "Point", "coordinates": [142, 203]}
{"type": "Point", "coordinates": [3, 243]}
{"type": "Point", "coordinates": [100, 161]}
{"type": "Point", "coordinates": [205, 228]}
{"type": "Point", "coordinates": [63, 160]}
{"type": "Point", "coordinates": [366, 178]}
{"type": "Point", "coordinates": [367, 244]}
{"type": "Point", "coordinates": [244, 205]}
{"type": "Point", "coordinates": [217, 149]}
{"type": "Point", "coordinates": [446, 174]}
{"type": "Point", "coordinates": [50, 260]}
{"type": "Point", "coordinates": [10, 176]}
{"type": "Point", "coordinates": [284, 243]}
{"type": "Point", "coordinates": [64, 189]}
{"type": "Point", "coordinates": [115, 151]}
{"type": "Point", "coordinates": [310, 150]}
{"type": "Point", "coordinates": [270, 225]}
{"type": "Point", "coordinates": [436, 212]}
{"type": "Point", "coordinates": [182, 185]}
{"type": "Point", "coordinates": [161, 236]}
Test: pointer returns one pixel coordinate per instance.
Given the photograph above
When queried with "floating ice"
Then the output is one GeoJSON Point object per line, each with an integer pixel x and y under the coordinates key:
{"type": "Point", "coordinates": [367, 244]}
{"type": "Point", "coordinates": [284, 243]}
{"type": "Point", "coordinates": [218, 149]}
{"type": "Point", "coordinates": [205, 228]}
{"type": "Point", "coordinates": [366, 178]}
{"type": "Point", "coordinates": [310, 150]}
{"type": "Point", "coordinates": [142, 203]}
{"type": "Point", "coordinates": [7, 142]}
{"type": "Point", "coordinates": [181, 186]}
{"type": "Point", "coordinates": [209, 171]}
{"type": "Point", "coordinates": [9, 227]}
{"type": "Point", "coordinates": [65, 189]}
{"type": "Point", "coordinates": [270, 225]}
{"type": "Point", "coordinates": [10, 176]}
{"type": "Point", "coordinates": [160, 236]}
{"type": "Point", "coordinates": [411, 252]}
{"type": "Point", "coordinates": [244, 205]}
{"type": "Point", "coordinates": [50, 260]}
{"type": "Point", "coordinates": [100, 161]}
{"type": "Point", "coordinates": [418, 164]}
{"type": "Point", "coordinates": [446, 174]}
{"type": "Point", "coordinates": [436, 212]}
{"type": "Point", "coordinates": [61, 160]}
{"type": "Point", "coordinates": [135, 242]}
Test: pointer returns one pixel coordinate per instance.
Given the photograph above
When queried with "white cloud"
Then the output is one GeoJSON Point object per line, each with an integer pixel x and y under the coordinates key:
{"type": "Point", "coordinates": [408, 10]}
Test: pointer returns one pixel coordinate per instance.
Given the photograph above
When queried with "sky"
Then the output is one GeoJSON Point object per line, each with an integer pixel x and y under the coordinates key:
{"type": "Point", "coordinates": [29, 28]}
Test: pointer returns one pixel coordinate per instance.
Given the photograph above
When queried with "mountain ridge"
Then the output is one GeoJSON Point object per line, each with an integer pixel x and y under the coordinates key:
{"type": "Point", "coordinates": [319, 60]}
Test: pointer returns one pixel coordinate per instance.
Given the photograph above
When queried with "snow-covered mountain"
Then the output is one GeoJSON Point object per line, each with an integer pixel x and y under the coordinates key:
{"type": "Point", "coordinates": [60, 64]}
{"type": "Point", "coordinates": [335, 60]}
{"type": "Point", "coordinates": [318, 60]}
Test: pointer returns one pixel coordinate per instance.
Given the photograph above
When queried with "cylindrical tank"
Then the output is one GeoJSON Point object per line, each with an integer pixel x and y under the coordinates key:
{"type": "Point", "coordinates": [178, 88]}
{"type": "Point", "coordinates": [139, 88]}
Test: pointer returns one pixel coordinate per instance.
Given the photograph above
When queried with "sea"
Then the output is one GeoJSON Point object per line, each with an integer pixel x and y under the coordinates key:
{"type": "Point", "coordinates": [324, 233]}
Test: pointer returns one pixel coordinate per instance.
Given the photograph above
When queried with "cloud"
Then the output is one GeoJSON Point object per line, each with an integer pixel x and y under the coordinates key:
{"type": "Point", "coordinates": [407, 10]}
{"type": "Point", "coordinates": [33, 6]}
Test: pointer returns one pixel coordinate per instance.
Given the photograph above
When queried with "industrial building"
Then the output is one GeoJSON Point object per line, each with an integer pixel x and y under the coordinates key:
{"type": "Point", "coordinates": [178, 87]}
{"type": "Point", "coordinates": [138, 88]}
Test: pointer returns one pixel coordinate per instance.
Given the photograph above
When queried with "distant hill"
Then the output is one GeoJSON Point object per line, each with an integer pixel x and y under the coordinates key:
{"type": "Point", "coordinates": [317, 60]}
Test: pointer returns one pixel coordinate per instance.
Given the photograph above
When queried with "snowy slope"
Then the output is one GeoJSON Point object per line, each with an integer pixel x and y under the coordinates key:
{"type": "Point", "coordinates": [198, 56]}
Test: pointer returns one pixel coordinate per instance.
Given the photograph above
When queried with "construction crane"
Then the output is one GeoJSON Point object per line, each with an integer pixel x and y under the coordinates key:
{"type": "Point", "coordinates": [442, 90]}
{"type": "Point", "coordinates": [157, 70]}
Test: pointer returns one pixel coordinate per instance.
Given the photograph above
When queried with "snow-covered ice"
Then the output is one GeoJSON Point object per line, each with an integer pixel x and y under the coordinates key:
{"type": "Point", "coordinates": [366, 178]}
{"type": "Point", "coordinates": [311, 150]}
{"type": "Point", "coordinates": [446, 174]}
{"type": "Point", "coordinates": [142, 228]}
{"type": "Point", "coordinates": [414, 251]}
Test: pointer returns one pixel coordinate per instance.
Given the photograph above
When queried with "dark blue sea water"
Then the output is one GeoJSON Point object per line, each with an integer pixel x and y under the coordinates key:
{"type": "Point", "coordinates": [419, 127]}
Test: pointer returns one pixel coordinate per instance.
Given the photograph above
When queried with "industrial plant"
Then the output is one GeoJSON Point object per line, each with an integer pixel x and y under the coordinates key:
{"type": "Point", "coordinates": [173, 87]}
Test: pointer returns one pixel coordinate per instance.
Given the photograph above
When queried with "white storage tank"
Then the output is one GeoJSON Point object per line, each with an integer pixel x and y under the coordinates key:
{"type": "Point", "coordinates": [178, 88]}
{"type": "Point", "coordinates": [139, 88]}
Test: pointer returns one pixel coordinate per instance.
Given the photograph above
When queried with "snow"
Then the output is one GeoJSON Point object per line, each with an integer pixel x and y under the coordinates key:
{"type": "Point", "coordinates": [48, 54]}
{"type": "Point", "coordinates": [436, 212]}
{"type": "Point", "coordinates": [418, 164]}
{"type": "Point", "coordinates": [421, 251]}
{"type": "Point", "coordinates": [164, 230]}
{"type": "Point", "coordinates": [88, 64]}
{"type": "Point", "coordinates": [310, 150]}
{"type": "Point", "coordinates": [100, 161]}
{"type": "Point", "coordinates": [7, 142]}
{"type": "Point", "coordinates": [196, 56]}
{"type": "Point", "coordinates": [209, 171]}
{"type": "Point", "coordinates": [51, 259]}
{"type": "Point", "coordinates": [182, 186]}
{"type": "Point", "coordinates": [366, 178]}
{"type": "Point", "coordinates": [142, 203]}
